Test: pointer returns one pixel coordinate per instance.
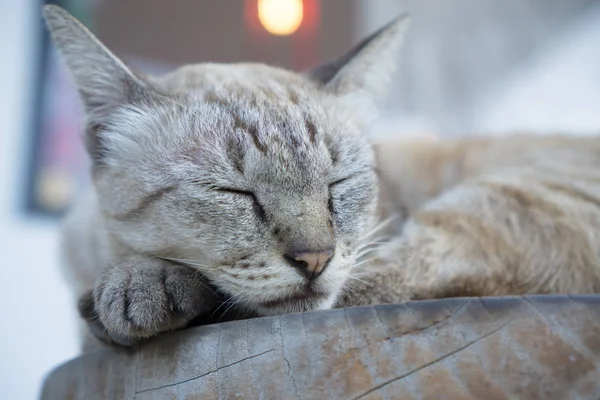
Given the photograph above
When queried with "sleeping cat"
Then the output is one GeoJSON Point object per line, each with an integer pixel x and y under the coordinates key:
{"type": "Point", "coordinates": [253, 187]}
{"type": "Point", "coordinates": [249, 181]}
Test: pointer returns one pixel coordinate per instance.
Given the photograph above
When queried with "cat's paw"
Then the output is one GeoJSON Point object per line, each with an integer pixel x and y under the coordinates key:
{"type": "Point", "coordinates": [142, 297]}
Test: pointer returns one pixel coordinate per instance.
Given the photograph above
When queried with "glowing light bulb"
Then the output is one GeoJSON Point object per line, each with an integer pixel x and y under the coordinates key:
{"type": "Point", "coordinates": [280, 17]}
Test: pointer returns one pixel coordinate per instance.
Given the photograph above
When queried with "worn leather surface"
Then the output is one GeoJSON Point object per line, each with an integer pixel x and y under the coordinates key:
{"type": "Point", "coordinates": [538, 347]}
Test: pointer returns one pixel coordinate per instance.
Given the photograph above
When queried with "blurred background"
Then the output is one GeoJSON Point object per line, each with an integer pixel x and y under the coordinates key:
{"type": "Point", "coordinates": [470, 67]}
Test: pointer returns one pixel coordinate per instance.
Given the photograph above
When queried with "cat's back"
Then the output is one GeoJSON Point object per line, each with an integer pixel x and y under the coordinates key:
{"type": "Point", "coordinates": [413, 171]}
{"type": "Point", "coordinates": [526, 207]}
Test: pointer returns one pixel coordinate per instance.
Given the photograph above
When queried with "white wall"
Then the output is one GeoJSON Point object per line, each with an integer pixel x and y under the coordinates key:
{"type": "Point", "coordinates": [556, 91]}
{"type": "Point", "coordinates": [481, 66]}
{"type": "Point", "coordinates": [36, 313]}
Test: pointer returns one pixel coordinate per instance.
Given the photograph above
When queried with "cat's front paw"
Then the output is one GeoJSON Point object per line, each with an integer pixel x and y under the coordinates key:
{"type": "Point", "coordinates": [142, 297]}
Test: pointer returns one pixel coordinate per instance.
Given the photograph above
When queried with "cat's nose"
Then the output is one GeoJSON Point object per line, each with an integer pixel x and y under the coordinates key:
{"type": "Point", "coordinates": [310, 263]}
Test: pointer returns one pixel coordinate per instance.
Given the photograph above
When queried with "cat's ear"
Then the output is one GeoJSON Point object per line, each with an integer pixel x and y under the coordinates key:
{"type": "Point", "coordinates": [364, 73]}
{"type": "Point", "coordinates": [103, 81]}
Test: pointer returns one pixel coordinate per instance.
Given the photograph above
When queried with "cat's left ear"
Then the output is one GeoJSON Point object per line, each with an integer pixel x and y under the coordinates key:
{"type": "Point", "coordinates": [362, 75]}
{"type": "Point", "coordinates": [105, 84]}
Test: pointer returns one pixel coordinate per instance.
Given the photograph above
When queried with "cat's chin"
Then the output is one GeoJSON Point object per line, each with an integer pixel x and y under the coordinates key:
{"type": "Point", "coordinates": [293, 304]}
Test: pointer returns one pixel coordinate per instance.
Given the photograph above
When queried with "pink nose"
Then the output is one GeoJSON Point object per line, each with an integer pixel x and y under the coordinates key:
{"type": "Point", "coordinates": [310, 263]}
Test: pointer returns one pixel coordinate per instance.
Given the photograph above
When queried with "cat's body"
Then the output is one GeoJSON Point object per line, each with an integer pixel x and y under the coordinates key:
{"type": "Point", "coordinates": [257, 187]}
{"type": "Point", "coordinates": [486, 216]}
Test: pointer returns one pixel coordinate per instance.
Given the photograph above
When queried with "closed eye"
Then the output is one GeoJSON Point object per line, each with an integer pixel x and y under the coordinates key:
{"type": "Point", "coordinates": [331, 186]}
{"type": "Point", "coordinates": [235, 191]}
{"type": "Point", "coordinates": [339, 181]}
{"type": "Point", "coordinates": [258, 208]}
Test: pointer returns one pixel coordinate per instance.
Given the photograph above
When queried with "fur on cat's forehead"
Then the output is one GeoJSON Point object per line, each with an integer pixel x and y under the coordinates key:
{"type": "Point", "coordinates": [269, 94]}
{"type": "Point", "coordinates": [261, 112]}
{"type": "Point", "coordinates": [272, 94]}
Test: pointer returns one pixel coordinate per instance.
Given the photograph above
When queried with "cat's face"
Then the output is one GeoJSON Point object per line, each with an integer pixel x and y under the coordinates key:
{"type": "Point", "coordinates": [238, 177]}
{"type": "Point", "coordinates": [261, 178]}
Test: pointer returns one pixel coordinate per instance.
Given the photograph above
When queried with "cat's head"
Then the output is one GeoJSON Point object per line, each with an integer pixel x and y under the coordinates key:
{"type": "Point", "coordinates": [261, 178]}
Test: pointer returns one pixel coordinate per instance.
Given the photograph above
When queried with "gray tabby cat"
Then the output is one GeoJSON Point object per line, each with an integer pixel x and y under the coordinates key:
{"type": "Point", "coordinates": [242, 182]}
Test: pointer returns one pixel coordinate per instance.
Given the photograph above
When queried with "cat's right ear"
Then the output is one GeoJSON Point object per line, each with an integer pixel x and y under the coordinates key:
{"type": "Point", "coordinates": [103, 81]}
{"type": "Point", "coordinates": [361, 77]}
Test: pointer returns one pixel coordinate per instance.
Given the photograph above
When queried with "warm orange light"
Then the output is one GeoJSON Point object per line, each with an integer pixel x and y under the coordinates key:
{"type": "Point", "coordinates": [280, 17]}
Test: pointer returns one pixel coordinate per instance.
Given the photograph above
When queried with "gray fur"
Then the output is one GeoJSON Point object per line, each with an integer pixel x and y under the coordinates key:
{"type": "Point", "coordinates": [223, 168]}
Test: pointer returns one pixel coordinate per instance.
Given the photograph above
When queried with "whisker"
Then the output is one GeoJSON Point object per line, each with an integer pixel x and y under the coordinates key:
{"type": "Point", "coordinates": [380, 226]}
{"type": "Point", "coordinates": [369, 246]}
{"type": "Point", "coordinates": [369, 250]}
{"type": "Point", "coordinates": [348, 287]}
{"type": "Point", "coordinates": [204, 285]}
{"type": "Point", "coordinates": [179, 259]}
{"type": "Point", "coordinates": [357, 279]}
{"type": "Point", "coordinates": [358, 264]}
{"type": "Point", "coordinates": [229, 308]}
{"type": "Point", "coordinates": [190, 263]}
{"type": "Point", "coordinates": [379, 240]}
{"type": "Point", "coordinates": [373, 243]}
{"type": "Point", "coordinates": [185, 261]}
{"type": "Point", "coordinates": [226, 301]}
{"type": "Point", "coordinates": [366, 252]}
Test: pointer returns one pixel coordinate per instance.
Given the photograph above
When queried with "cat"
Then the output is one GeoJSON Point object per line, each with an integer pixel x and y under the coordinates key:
{"type": "Point", "coordinates": [238, 183]}
{"type": "Point", "coordinates": [485, 217]}
{"type": "Point", "coordinates": [251, 187]}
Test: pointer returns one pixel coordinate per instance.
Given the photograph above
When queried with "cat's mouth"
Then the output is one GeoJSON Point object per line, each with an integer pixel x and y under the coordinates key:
{"type": "Point", "coordinates": [307, 299]}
